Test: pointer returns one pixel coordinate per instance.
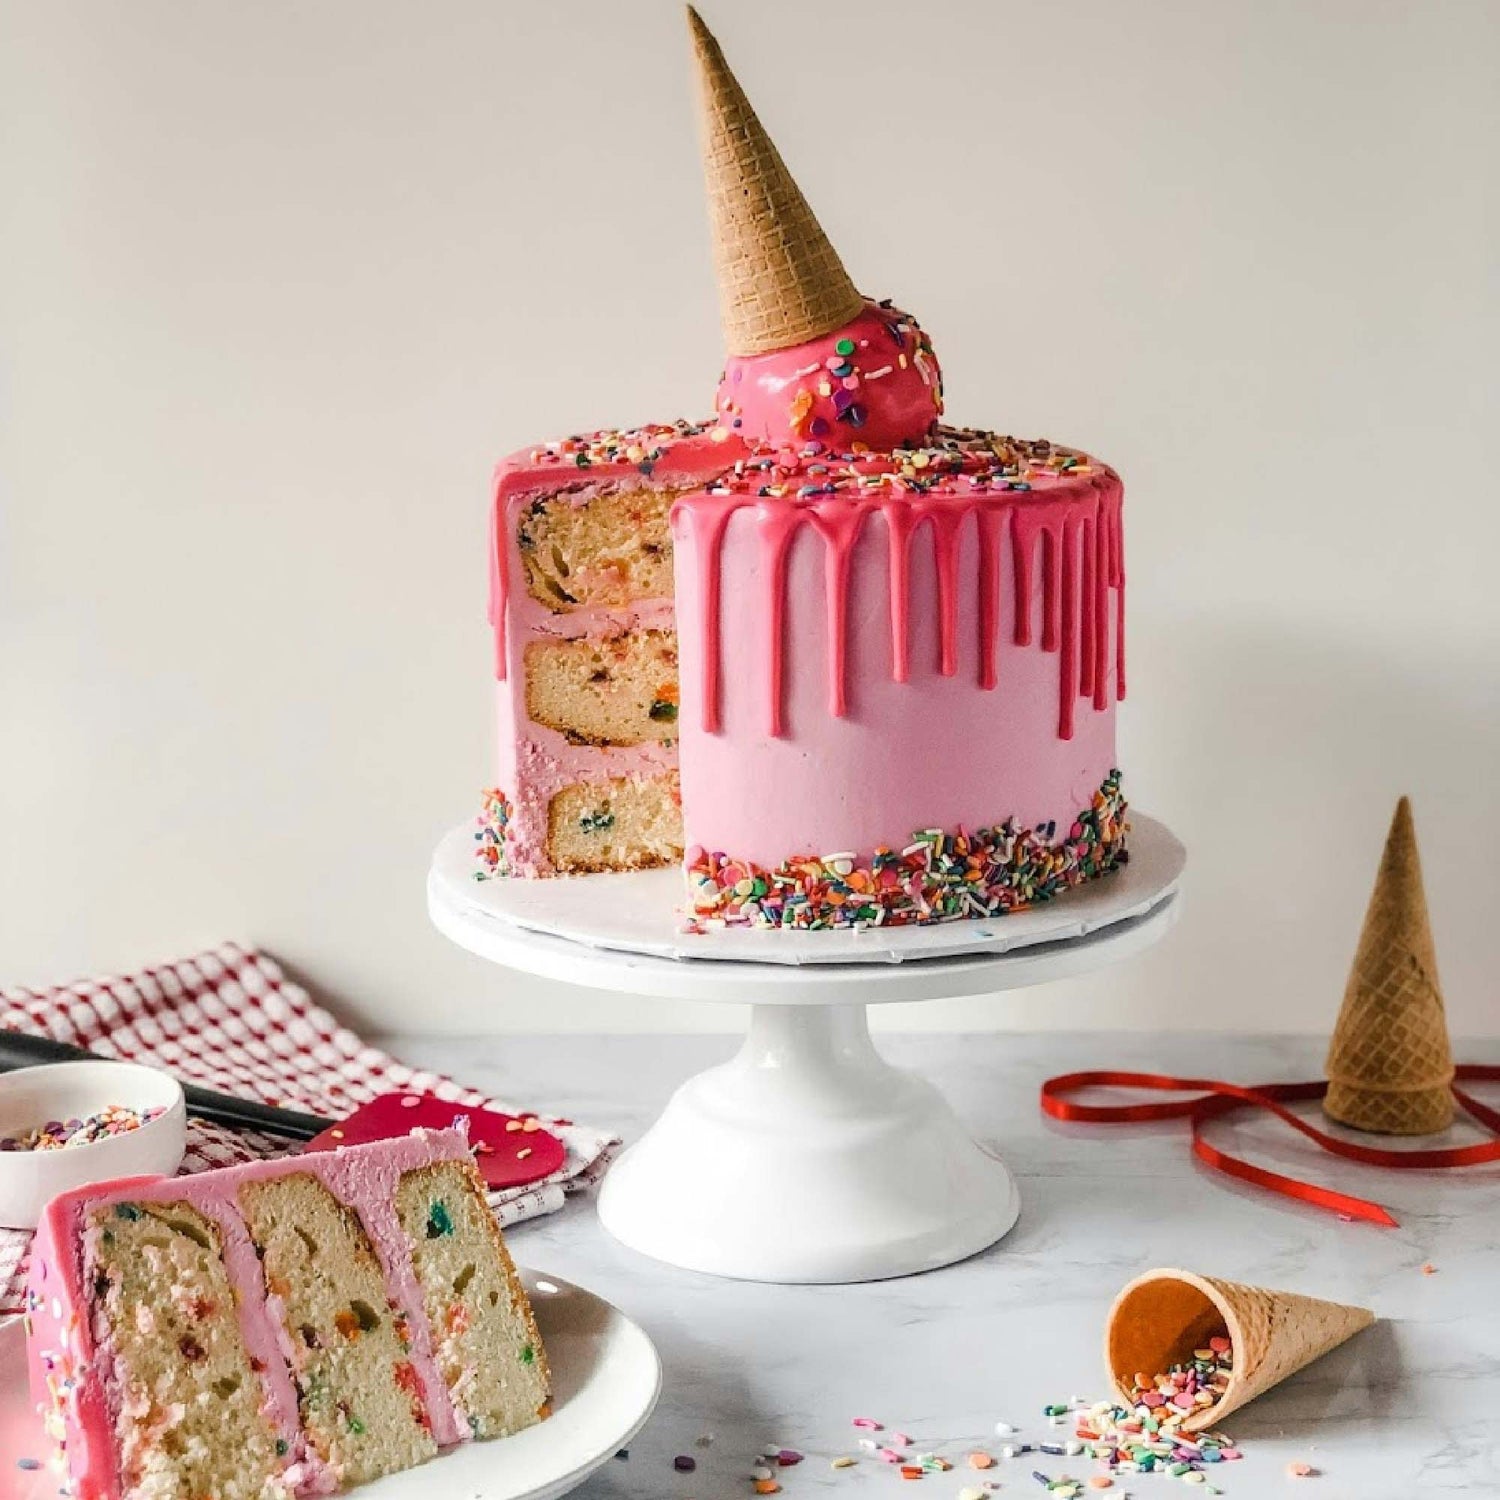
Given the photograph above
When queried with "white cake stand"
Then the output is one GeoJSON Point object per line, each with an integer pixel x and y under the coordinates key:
{"type": "Point", "coordinates": [807, 1158]}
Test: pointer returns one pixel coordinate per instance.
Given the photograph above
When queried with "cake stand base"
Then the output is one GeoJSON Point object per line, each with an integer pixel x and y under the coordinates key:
{"type": "Point", "coordinates": [808, 1158]}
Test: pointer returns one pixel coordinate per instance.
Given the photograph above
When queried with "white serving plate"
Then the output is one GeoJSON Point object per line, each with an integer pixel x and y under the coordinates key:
{"type": "Point", "coordinates": [605, 1380]}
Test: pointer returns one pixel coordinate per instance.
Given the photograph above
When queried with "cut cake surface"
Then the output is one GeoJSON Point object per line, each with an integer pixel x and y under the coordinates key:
{"type": "Point", "coordinates": [278, 1329]}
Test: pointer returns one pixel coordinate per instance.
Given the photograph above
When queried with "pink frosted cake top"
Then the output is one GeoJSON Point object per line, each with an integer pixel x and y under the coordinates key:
{"type": "Point", "coordinates": [960, 460]}
{"type": "Point", "coordinates": [659, 452]}
{"type": "Point", "coordinates": [69, 1355]}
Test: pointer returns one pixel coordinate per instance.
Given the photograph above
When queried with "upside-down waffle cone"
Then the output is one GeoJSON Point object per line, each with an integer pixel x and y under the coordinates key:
{"type": "Point", "coordinates": [1162, 1316]}
{"type": "Point", "coordinates": [1389, 1065]}
{"type": "Point", "coordinates": [780, 280]}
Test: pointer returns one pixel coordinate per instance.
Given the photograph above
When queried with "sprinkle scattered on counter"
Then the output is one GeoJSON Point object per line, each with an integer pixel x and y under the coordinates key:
{"type": "Point", "coordinates": [1300, 1471]}
{"type": "Point", "coordinates": [684, 1464]}
{"type": "Point", "coordinates": [1122, 1440]}
{"type": "Point", "coordinates": [58, 1135]}
{"type": "Point", "coordinates": [1429, 1269]}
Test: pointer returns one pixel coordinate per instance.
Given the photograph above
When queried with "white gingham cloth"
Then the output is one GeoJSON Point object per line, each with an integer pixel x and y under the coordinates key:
{"type": "Point", "coordinates": [229, 1019]}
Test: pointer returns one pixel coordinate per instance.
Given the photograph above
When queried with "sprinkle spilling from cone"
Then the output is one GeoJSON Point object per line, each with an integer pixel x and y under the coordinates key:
{"type": "Point", "coordinates": [1147, 1433]}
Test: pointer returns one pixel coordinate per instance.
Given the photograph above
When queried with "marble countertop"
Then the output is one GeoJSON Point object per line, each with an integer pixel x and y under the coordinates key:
{"type": "Point", "coordinates": [1408, 1409]}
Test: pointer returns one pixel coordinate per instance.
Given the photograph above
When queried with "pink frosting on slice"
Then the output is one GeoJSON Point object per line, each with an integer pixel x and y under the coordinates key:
{"type": "Point", "coordinates": [70, 1360]}
{"type": "Point", "coordinates": [874, 382]}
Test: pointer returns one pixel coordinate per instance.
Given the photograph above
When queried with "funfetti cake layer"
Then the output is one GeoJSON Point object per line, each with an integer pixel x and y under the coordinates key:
{"type": "Point", "coordinates": [586, 649]}
{"type": "Point", "coordinates": [278, 1329]}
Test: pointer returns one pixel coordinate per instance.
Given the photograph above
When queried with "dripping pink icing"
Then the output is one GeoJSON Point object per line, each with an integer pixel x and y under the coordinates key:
{"type": "Point", "coordinates": [989, 601]}
{"type": "Point", "coordinates": [875, 382]}
{"type": "Point", "coordinates": [1073, 512]}
{"type": "Point", "coordinates": [778, 525]}
{"type": "Point", "coordinates": [839, 527]}
{"type": "Point", "coordinates": [65, 1351]}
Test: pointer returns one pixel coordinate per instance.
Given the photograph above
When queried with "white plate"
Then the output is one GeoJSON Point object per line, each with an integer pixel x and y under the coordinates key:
{"type": "Point", "coordinates": [641, 912]}
{"type": "Point", "coordinates": [605, 1380]}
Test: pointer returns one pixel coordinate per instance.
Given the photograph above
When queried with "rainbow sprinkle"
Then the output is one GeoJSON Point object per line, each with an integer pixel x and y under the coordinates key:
{"type": "Point", "coordinates": [954, 458]}
{"type": "Point", "coordinates": [939, 877]}
{"type": "Point", "coordinates": [58, 1135]}
{"type": "Point", "coordinates": [489, 835]}
{"type": "Point", "coordinates": [641, 446]}
{"type": "Point", "coordinates": [1144, 1435]}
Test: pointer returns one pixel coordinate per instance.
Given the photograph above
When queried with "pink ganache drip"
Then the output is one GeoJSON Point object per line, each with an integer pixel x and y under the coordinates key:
{"type": "Point", "coordinates": [68, 1356]}
{"type": "Point", "coordinates": [1056, 501]}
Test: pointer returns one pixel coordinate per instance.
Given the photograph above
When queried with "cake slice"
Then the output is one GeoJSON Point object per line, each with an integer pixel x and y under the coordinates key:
{"type": "Point", "coordinates": [278, 1329]}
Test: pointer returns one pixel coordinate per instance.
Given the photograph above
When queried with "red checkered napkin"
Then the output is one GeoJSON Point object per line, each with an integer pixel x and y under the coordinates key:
{"type": "Point", "coordinates": [229, 1019]}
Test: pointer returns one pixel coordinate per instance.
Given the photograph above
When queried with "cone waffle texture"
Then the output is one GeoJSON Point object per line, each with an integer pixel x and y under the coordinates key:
{"type": "Point", "coordinates": [1389, 1064]}
{"type": "Point", "coordinates": [780, 280]}
{"type": "Point", "coordinates": [1160, 1317]}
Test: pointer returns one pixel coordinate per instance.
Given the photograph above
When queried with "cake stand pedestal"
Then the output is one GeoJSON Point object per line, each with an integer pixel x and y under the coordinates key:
{"type": "Point", "coordinates": [808, 1157]}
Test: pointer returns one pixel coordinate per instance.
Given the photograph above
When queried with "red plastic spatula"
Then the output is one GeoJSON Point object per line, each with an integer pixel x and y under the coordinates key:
{"type": "Point", "coordinates": [511, 1150]}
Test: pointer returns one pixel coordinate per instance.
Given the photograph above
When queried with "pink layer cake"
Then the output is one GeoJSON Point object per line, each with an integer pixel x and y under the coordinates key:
{"type": "Point", "coordinates": [278, 1329]}
{"type": "Point", "coordinates": [850, 665]}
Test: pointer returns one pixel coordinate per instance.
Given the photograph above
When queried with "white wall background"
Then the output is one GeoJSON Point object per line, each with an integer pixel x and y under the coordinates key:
{"type": "Point", "coordinates": [281, 280]}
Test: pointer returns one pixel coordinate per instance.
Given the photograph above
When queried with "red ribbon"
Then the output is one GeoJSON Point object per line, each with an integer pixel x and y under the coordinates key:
{"type": "Point", "coordinates": [1216, 1098]}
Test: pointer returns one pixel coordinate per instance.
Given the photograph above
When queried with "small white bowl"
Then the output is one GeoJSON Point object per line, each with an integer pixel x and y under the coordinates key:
{"type": "Point", "coordinates": [63, 1091]}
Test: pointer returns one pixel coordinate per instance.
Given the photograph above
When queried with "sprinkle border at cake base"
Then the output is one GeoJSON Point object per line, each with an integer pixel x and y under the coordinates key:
{"type": "Point", "coordinates": [939, 877]}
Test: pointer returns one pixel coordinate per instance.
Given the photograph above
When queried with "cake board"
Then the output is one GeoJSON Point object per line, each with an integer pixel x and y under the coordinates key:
{"type": "Point", "coordinates": [807, 1157]}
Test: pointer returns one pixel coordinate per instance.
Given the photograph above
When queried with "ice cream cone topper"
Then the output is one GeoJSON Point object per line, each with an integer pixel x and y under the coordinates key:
{"type": "Point", "coordinates": [780, 280]}
{"type": "Point", "coordinates": [809, 358]}
{"type": "Point", "coordinates": [1389, 1064]}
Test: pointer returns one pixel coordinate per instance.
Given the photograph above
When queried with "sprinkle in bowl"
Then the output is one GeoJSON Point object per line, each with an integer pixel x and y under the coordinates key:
{"type": "Point", "coordinates": [118, 1119]}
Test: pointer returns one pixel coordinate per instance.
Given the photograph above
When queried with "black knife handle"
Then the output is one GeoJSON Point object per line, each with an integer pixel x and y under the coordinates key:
{"type": "Point", "coordinates": [21, 1050]}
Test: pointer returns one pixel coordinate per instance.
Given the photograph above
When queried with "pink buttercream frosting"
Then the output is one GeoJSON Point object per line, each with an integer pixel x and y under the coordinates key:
{"type": "Point", "coordinates": [874, 383]}
{"type": "Point", "coordinates": [878, 644]}
{"type": "Point", "coordinates": [70, 1358]}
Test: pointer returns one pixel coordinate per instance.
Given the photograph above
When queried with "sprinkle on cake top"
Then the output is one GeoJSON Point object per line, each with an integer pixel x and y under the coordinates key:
{"type": "Point", "coordinates": [955, 458]}
{"type": "Point", "coordinates": [642, 446]}
{"type": "Point", "coordinates": [970, 459]}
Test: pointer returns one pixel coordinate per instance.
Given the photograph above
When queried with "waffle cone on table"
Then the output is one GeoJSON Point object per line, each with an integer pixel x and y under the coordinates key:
{"type": "Point", "coordinates": [781, 282]}
{"type": "Point", "coordinates": [1162, 1316]}
{"type": "Point", "coordinates": [1389, 1064]}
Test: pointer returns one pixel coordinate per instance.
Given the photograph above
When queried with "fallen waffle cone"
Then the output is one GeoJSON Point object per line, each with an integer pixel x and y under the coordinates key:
{"type": "Point", "coordinates": [1162, 1316]}
{"type": "Point", "coordinates": [1389, 1066]}
{"type": "Point", "coordinates": [781, 282]}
